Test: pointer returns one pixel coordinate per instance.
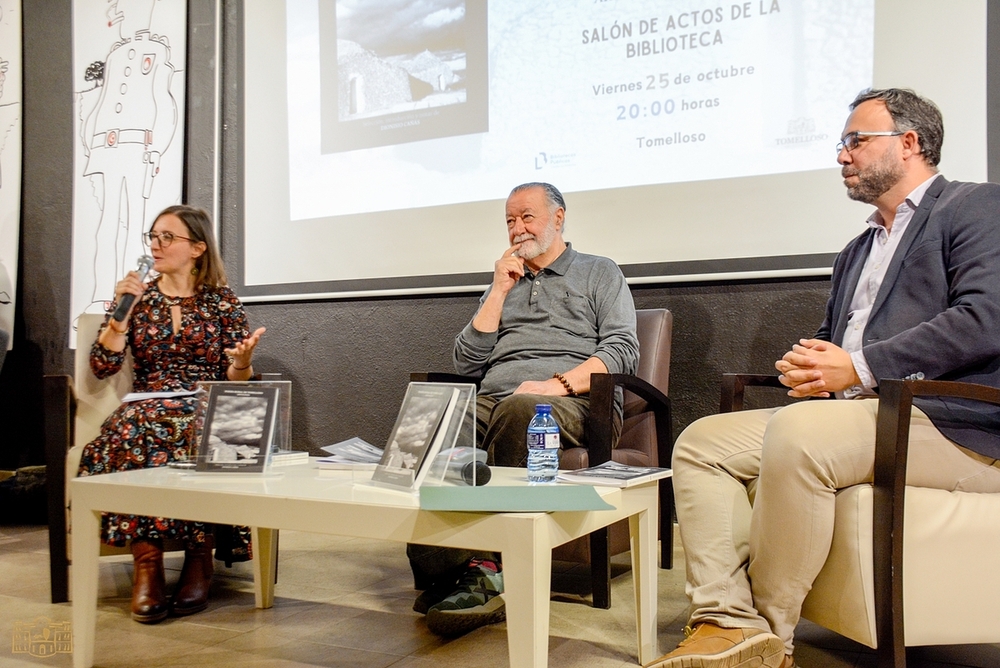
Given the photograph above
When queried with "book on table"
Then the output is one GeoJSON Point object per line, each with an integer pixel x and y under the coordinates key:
{"type": "Point", "coordinates": [426, 419]}
{"type": "Point", "coordinates": [237, 428]}
{"type": "Point", "coordinates": [613, 474]}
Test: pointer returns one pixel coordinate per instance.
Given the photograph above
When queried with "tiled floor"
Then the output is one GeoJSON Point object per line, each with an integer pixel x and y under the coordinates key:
{"type": "Point", "coordinates": [346, 602]}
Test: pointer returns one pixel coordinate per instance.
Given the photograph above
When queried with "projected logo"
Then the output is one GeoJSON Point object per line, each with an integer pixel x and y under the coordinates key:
{"type": "Point", "coordinates": [42, 638]}
{"type": "Point", "coordinates": [544, 160]}
{"type": "Point", "coordinates": [801, 131]}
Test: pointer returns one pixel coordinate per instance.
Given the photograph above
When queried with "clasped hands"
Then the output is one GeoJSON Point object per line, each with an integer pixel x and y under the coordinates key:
{"type": "Point", "coordinates": [816, 368]}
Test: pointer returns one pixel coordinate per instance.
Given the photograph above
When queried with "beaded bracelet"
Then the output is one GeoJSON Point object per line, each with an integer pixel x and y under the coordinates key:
{"type": "Point", "coordinates": [569, 388]}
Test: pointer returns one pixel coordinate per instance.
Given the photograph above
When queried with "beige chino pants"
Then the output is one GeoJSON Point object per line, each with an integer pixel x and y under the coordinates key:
{"type": "Point", "coordinates": [755, 500]}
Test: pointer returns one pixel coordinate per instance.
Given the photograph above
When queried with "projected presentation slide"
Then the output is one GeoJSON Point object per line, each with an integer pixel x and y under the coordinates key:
{"type": "Point", "coordinates": [693, 139]}
{"type": "Point", "coordinates": [444, 99]}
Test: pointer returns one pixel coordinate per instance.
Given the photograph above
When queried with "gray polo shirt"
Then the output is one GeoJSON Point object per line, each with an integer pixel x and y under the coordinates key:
{"type": "Point", "coordinates": [576, 308]}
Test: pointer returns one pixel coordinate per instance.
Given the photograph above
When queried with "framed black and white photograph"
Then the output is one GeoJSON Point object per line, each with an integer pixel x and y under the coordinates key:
{"type": "Point", "coordinates": [421, 427]}
{"type": "Point", "coordinates": [238, 428]}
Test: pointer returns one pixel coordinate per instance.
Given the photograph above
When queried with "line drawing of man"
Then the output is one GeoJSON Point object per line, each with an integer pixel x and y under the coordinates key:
{"type": "Point", "coordinates": [10, 116]}
{"type": "Point", "coordinates": [4, 128]}
{"type": "Point", "coordinates": [125, 135]}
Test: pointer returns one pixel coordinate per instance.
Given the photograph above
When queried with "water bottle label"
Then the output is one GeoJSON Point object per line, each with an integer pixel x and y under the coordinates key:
{"type": "Point", "coordinates": [542, 441]}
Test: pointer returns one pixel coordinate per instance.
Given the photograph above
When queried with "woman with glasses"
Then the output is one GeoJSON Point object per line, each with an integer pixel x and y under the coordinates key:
{"type": "Point", "coordinates": [185, 325]}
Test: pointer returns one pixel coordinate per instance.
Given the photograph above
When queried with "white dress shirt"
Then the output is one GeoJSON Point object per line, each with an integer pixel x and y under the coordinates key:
{"type": "Point", "coordinates": [883, 247]}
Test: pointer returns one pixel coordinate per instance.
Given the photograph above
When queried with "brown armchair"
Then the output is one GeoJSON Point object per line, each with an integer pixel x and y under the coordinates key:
{"type": "Point", "coordinates": [645, 441]}
{"type": "Point", "coordinates": [926, 576]}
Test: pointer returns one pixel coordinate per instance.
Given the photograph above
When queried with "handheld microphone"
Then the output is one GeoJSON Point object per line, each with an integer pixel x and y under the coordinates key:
{"type": "Point", "coordinates": [145, 264]}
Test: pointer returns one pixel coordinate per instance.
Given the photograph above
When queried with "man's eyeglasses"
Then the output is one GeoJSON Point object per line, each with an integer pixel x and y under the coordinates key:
{"type": "Point", "coordinates": [165, 238]}
{"type": "Point", "coordinates": [852, 140]}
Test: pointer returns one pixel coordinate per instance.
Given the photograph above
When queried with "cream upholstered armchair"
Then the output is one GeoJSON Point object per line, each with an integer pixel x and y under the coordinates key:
{"type": "Point", "coordinates": [908, 565]}
{"type": "Point", "coordinates": [75, 409]}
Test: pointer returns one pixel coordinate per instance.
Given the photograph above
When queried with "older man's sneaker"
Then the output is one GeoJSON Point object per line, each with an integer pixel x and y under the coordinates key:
{"type": "Point", "coordinates": [475, 602]}
{"type": "Point", "coordinates": [711, 646]}
{"type": "Point", "coordinates": [433, 595]}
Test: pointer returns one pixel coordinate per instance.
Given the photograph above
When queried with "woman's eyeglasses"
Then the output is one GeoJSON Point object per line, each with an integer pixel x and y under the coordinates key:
{"type": "Point", "coordinates": [164, 238]}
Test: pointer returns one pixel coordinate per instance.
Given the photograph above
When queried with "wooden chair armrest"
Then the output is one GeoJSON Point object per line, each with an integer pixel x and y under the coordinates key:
{"type": "Point", "coordinates": [734, 384]}
{"type": "Point", "coordinates": [891, 447]}
{"type": "Point", "coordinates": [599, 430]}
{"type": "Point", "coordinates": [602, 406]}
{"type": "Point", "coordinates": [442, 377]}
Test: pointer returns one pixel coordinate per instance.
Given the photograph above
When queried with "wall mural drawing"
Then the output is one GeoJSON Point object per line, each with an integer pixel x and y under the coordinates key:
{"type": "Point", "coordinates": [10, 158]}
{"type": "Point", "coordinates": [129, 68]}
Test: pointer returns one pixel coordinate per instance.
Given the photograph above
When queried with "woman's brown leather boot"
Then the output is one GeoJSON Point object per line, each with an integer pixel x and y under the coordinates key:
{"type": "Point", "coordinates": [149, 587]}
{"type": "Point", "coordinates": [196, 577]}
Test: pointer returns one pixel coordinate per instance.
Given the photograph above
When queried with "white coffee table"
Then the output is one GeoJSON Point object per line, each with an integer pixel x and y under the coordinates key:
{"type": "Point", "coordinates": [303, 498]}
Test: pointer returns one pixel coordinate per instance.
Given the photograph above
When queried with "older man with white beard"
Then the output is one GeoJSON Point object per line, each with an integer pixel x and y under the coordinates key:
{"type": "Point", "coordinates": [550, 318]}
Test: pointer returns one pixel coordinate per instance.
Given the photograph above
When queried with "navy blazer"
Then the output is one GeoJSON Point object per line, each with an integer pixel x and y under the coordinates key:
{"type": "Point", "coordinates": [937, 311]}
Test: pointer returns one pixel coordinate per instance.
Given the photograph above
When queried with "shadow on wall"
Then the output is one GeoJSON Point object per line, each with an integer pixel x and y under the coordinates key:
{"type": "Point", "coordinates": [21, 410]}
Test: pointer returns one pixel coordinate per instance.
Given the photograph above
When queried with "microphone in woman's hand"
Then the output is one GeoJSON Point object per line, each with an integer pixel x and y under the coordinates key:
{"type": "Point", "coordinates": [145, 264]}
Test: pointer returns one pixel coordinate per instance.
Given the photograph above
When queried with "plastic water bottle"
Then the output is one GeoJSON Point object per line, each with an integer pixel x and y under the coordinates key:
{"type": "Point", "coordinates": [543, 445]}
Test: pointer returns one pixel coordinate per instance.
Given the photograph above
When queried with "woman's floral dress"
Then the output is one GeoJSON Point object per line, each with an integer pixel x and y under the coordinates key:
{"type": "Point", "coordinates": [153, 432]}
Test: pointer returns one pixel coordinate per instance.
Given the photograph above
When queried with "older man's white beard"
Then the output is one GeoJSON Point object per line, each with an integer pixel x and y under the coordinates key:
{"type": "Point", "coordinates": [531, 246]}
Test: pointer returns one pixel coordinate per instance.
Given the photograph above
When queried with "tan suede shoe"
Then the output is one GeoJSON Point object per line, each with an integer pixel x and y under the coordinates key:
{"type": "Point", "coordinates": [711, 646]}
{"type": "Point", "coordinates": [789, 662]}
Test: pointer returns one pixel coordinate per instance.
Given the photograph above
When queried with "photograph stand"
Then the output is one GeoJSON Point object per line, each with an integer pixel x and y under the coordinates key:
{"type": "Point", "coordinates": [433, 440]}
{"type": "Point", "coordinates": [238, 425]}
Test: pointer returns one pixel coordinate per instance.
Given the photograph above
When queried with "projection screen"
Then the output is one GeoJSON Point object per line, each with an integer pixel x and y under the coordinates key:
{"type": "Point", "coordinates": [693, 140]}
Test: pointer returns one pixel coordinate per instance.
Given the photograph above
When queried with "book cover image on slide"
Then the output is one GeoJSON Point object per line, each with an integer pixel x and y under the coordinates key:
{"type": "Point", "coordinates": [417, 435]}
{"type": "Point", "coordinates": [238, 428]}
{"type": "Point", "coordinates": [396, 73]}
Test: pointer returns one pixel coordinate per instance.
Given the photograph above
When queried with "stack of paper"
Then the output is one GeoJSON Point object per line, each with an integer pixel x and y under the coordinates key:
{"type": "Point", "coordinates": [354, 453]}
{"type": "Point", "coordinates": [288, 457]}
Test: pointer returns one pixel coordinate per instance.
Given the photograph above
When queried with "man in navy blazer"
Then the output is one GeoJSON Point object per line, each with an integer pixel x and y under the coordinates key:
{"type": "Point", "coordinates": [916, 295]}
